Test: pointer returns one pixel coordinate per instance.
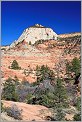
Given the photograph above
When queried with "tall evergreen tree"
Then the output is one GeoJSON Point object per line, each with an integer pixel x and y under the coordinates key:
{"type": "Point", "coordinates": [76, 66]}
{"type": "Point", "coordinates": [60, 96]}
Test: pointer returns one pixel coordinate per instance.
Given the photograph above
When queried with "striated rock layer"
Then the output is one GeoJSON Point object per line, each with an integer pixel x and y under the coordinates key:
{"type": "Point", "coordinates": [49, 52]}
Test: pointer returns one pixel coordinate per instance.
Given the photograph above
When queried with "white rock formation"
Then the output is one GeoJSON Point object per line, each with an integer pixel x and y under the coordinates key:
{"type": "Point", "coordinates": [34, 33]}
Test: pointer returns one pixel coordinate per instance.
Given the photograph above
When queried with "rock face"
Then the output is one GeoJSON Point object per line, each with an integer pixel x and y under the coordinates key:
{"type": "Point", "coordinates": [34, 33]}
{"type": "Point", "coordinates": [30, 112]}
{"type": "Point", "coordinates": [48, 53]}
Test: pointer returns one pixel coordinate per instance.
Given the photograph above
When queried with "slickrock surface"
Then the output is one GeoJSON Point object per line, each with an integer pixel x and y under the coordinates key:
{"type": "Point", "coordinates": [30, 112]}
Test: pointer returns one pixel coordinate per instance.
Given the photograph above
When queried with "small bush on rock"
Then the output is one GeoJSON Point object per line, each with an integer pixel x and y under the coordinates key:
{"type": "Point", "coordinates": [14, 111]}
{"type": "Point", "coordinates": [15, 65]}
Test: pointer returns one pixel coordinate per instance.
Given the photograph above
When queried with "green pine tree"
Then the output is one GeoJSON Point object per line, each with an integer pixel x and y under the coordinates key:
{"type": "Point", "coordinates": [60, 95]}
{"type": "Point", "coordinates": [9, 91]}
{"type": "Point", "coordinates": [76, 65]}
{"type": "Point", "coordinates": [15, 65]}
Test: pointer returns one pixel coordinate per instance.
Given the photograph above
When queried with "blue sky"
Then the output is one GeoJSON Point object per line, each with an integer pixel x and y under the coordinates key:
{"type": "Point", "coordinates": [62, 17]}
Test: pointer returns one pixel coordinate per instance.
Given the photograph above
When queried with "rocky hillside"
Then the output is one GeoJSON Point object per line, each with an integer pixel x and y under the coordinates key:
{"type": "Point", "coordinates": [38, 75]}
{"type": "Point", "coordinates": [43, 52]}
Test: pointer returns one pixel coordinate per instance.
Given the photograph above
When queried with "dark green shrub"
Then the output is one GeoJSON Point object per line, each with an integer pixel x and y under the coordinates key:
{"type": "Point", "coordinates": [9, 90]}
{"type": "Point", "coordinates": [30, 43]}
{"type": "Point", "coordinates": [2, 108]}
{"type": "Point", "coordinates": [45, 101]}
{"type": "Point", "coordinates": [16, 80]}
{"type": "Point", "coordinates": [77, 117]}
{"type": "Point", "coordinates": [30, 98]}
{"type": "Point", "coordinates": [15, 65]}
{"type": "Point", "coordinates": [68, 67]}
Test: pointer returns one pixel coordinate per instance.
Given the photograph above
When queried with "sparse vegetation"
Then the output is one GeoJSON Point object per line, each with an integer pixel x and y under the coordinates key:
{"type": "Point", "coordinates": [70, 38]}
{"type": "Point", "coordinates": [52, 89]}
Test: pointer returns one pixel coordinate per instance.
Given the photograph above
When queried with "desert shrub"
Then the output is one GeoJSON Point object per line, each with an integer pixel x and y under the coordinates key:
{"type": "Point", "coordinates": [30, 43]}
{"type": "Point", "coordinates": [25, 83]}
{"type": "Point", "coordinates": [35, 84]}
{"type": "Point", "coordinates": [25, 72]}
{"type": "Point", "coordinates": [68, 67]}
{"type": "Point", "coordinates": [60, 115]}
{"type": "Point", "coordinates": [15, 65]}
{"type": "Point", "coordinates": [50, 118]}
{"type": "Point", "coordinates": [30, 98]}
{"type": "Point", "coordinates": [9, 91]}
{"type": "Point", "coordinates": [16, 80]}
{"type": "Point", "coordinates": [14, 111]}
{"type": "Point", "coordinates": [78, 104]}
{"type": "Point", "coordinates": [2, 108]}
{"type": "Point", "coordinates": [38, 42]}
{"type": "Point", "coordinates": [23, 91]}
{"type": "Point", "coordinates": [77, 117]}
